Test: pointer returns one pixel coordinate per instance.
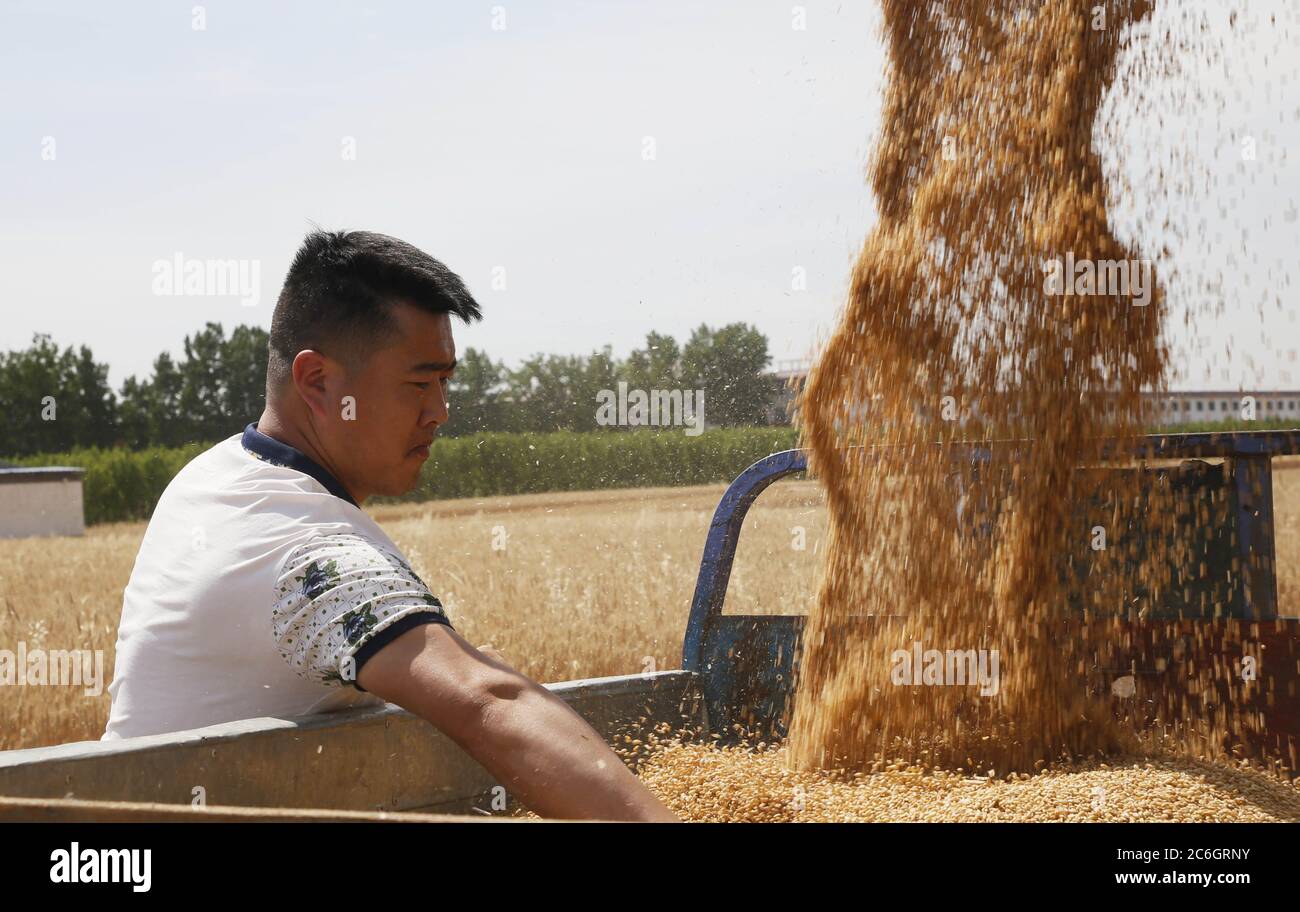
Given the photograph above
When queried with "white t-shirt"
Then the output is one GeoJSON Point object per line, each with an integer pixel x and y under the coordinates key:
{"type": "Point", "coordinates": [260, 589]}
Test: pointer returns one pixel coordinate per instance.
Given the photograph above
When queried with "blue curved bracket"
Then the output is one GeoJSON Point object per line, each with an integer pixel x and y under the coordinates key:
{"type": "Point", "coordinates": [720, 546]}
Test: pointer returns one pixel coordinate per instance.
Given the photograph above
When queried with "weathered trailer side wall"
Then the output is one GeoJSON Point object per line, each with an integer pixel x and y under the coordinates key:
{"type": "Point", "coordinates": [370, 759]}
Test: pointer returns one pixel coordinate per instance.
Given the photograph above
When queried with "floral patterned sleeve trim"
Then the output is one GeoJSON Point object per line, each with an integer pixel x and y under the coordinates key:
{"type": "Point", "coordinates": [338, 599]}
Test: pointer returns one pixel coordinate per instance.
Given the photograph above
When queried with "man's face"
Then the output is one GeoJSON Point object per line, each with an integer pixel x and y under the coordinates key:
{"type": "Point", "coordinates": [400, 396]}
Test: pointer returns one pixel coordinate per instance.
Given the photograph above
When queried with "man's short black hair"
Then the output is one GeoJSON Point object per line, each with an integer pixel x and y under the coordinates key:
{"type": "Point", "coordinates": [338, 294]}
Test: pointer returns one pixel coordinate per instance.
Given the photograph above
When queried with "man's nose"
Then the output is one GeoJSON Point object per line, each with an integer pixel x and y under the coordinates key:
{"type": "Point", "coordinates": [437, 410]}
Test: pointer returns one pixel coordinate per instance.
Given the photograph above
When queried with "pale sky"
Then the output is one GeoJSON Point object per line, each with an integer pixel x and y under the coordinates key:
{"type": "Point", "coordinates": [520, 149]}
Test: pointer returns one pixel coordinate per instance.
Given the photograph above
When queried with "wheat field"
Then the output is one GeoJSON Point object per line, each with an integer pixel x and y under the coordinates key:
{"type": "Point", "coordinates": [566, 585]}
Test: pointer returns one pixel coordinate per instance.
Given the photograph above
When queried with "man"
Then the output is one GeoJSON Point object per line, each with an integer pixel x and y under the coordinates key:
{"type": "Point", "coordinates": [262, 589]}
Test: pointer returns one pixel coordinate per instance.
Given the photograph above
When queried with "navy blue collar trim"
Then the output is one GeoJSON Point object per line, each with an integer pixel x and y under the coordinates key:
{"type": "Point", "coordinates": [277, 453]}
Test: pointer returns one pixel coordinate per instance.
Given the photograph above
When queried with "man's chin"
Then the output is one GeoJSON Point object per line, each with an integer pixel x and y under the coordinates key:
{"type": "Point", "coordinates": [397, 486]}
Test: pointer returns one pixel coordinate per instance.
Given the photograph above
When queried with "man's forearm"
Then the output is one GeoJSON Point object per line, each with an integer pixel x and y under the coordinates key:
{"type": "Point", "coordinates": [525, 736]}
{"type": "Point", "coordinates": [554, 762]}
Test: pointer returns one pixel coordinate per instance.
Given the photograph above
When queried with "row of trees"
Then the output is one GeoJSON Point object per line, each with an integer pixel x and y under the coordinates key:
{"type": "Point", "coordinates": [54, 400]}
{"type": "Point", "coordinates": [560, 392]}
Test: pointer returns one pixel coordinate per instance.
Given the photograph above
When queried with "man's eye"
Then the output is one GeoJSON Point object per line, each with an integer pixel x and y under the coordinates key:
{"type": "Point", "coordinates": [422, 386]}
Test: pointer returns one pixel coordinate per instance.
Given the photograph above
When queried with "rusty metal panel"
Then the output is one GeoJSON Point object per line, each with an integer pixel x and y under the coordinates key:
{"type": "Point", "coordinates": [747, 666]}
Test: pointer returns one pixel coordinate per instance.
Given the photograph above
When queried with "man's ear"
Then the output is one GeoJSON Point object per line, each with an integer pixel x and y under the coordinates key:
{"type": "Point", "coordinates": [311, 373]}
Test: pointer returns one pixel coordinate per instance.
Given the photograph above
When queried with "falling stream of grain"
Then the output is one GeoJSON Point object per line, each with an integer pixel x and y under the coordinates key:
{"type": "Point", "coordinates": [986, 169]}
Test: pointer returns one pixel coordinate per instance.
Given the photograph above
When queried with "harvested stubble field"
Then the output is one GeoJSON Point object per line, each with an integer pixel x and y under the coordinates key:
{"type": "Point", "coordinates": [587, 584]}
{"type": "Point", "coordinates": [599, 583]}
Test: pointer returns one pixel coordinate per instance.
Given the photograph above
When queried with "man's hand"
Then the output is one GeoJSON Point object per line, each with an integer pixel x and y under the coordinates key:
{"type": "Point", "coordinates": [525, 736]}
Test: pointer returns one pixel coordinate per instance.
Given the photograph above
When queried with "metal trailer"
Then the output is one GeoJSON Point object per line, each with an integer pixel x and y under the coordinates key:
{"type": "Point", "coordinates": [737, 670]}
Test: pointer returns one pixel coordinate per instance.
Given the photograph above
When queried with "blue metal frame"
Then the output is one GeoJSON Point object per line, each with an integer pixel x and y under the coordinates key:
{"type": "Point", "coordinates": [720, 546]}
{"type": "Point", "coordinates": [729, 651]}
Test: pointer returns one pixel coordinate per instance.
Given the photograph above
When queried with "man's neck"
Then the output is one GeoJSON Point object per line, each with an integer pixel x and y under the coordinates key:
{"type": "Point", "coordinates": [303, 438]}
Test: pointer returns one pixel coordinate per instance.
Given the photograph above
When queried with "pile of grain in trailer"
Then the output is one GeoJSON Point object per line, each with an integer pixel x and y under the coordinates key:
{"type": "Point", "coordinates": [755, 783]}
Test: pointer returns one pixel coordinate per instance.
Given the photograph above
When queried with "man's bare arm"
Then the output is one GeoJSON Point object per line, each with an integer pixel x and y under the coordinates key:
{"type": "Point", "coordinates": [526, 737]}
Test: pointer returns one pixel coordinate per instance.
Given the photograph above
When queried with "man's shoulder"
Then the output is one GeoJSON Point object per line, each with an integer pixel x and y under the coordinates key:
{"type": "Point", "coordinates": [228, 474]}
{"type": "Point", "coordinates": [218, 457]}
{"type": "Point", "coordinates": [217, 468]}
{"type": "Point", "coordinates": [243, 510]}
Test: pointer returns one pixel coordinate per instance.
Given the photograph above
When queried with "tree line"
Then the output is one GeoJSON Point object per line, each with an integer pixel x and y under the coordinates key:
{"type": "Point", "coordinates": [54, 400]}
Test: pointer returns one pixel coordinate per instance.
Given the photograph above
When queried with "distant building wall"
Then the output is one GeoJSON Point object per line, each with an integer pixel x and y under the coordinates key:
{"type": "Point", "coordinates": [41, 502]}
{"type": "Point", "coordinates": [1171, 408]}
{"type": "Point", "coordinates": [1186, 408]}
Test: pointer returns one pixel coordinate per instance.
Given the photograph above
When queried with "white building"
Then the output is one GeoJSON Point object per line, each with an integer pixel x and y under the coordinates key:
{"type": "Point", "coordinates": [1167, 409]}
{"type": "Point", "coordinates": [1236, 405]}
{"type": "Point", "coordinates": [41, 501]}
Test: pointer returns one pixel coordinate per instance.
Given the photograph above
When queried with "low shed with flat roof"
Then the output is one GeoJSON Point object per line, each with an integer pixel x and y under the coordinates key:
{"type": "Point", "coordinates": [41, 501]}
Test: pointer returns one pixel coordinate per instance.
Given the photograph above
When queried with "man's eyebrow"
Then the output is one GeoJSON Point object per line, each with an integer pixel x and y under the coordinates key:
{"type": "Point", "coordinates": [434, 366]}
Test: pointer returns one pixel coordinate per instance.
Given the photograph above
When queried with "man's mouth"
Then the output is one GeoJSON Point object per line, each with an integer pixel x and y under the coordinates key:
{"type": "Point", "coordinates": [421, 450]}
